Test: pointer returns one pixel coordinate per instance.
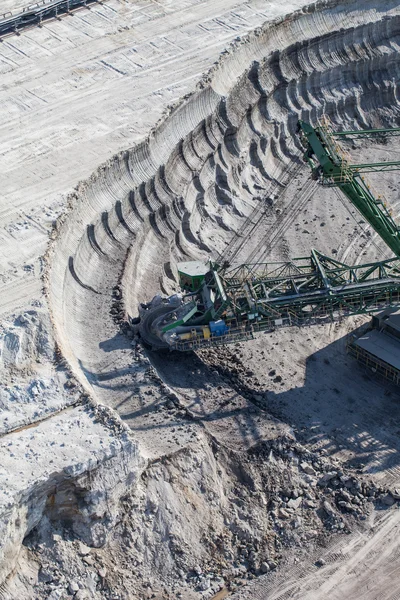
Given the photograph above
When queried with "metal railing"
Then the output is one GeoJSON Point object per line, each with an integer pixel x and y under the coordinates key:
{"type": "Point", "coordinates": [372, 363]}
{"type": "Point", "coordinates": [35, 13]}
{"type": "Point", "coordinates": [324, 316]}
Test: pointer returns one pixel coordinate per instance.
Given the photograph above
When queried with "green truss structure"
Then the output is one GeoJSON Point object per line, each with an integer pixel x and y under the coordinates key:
{"type": "Point", "coordinates": [330, 164]}
{"type": "Point", "coordinates": [259, 297]}
{"type": "Point", "coordinates": [312, 288]}
{"type": "Point", "coordinates": [226, 303]}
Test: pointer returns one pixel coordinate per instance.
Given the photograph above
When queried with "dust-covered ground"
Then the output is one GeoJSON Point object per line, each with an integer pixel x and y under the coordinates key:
{"type": "Point", "coordinates": [134, 135]}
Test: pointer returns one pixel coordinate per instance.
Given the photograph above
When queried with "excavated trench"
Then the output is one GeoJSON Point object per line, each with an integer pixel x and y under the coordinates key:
{"type": "Point", "coordinates": [228, 152]}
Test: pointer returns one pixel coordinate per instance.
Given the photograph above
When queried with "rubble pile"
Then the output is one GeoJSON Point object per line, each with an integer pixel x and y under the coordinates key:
{"type": "Point", "coordinates": [207, 519]}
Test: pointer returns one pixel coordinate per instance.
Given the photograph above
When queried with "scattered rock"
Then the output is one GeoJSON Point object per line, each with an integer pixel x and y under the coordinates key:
{"type": "Point", "coordinates": [204, 583]}
{"type": "Point", "coordinates": [82, 595]}
{"type": "Point", "coordinates": [328, 508]}
{"type": "Point", "coordinates": [295, 503]}
{"type": "Point", "coordinates": [307, 468]}
{"type": "Point", "coordinates": [387, 500]}
{"type": "Point", "coordinates": [83, 550]}
{"type": "Point", "coordinates": [70, 383]}
{"type": "Point", "coordinates": [73, 587]}
{"type": "Point", "coordinates": [264, 567]}
{"type": "Point", "coordinates": [56, 594]}
{"type": "Point", "coordinates": [346, 505]}
{"type": "Point", "coordinates": [325, 479]}
{"type": "Point", "coordinates": [45, 575]}
{"type": "Point", "coordinates": [345, 495]}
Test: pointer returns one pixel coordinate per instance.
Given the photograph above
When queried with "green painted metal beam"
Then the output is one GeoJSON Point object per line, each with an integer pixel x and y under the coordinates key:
{"type": "Point", "coordinates": [181, 321]}
{"type": "Point", "coordinates": [321, 269]}
{"type": "Point", "coordinates": [376, 167]}
{"type": "Point", "coordinates": [369, 133]}
{"type": "Point", "coordinates": [328, 163]}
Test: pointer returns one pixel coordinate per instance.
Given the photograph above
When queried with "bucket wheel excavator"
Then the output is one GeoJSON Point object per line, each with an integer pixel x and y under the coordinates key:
{"type": "Point", "coordinates": [220, 303]}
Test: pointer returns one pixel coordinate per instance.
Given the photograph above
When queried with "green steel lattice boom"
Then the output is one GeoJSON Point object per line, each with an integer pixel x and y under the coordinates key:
{"type": "Point", "coordinates": [224, 304]}
{"type": "Point", "coordinates": [330, 164]}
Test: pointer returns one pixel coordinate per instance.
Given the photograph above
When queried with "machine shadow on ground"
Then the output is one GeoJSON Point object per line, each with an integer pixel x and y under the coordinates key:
{"type": "Point", "coordinates": [340, 407]}
{"type": "Point", "coordinates": [344, 409]}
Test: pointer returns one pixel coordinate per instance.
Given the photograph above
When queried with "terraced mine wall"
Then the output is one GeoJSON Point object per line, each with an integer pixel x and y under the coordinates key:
{"type": "Point", "coordinates": [182, 192]}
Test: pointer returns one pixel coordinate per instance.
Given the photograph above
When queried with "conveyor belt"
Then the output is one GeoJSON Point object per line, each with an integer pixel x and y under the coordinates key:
{"type": "Point", "coordinates": [35, 13]}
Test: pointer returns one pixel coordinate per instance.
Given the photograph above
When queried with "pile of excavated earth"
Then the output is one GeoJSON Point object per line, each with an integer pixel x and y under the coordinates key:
{"type": "Point", "coordinates": [264, 469]}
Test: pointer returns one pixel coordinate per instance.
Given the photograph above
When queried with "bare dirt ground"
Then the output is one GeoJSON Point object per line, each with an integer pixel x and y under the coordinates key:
{"type": "Point", "coordinates": [361, 564]}
{"type": "Point", "coordinates": [264, 469]}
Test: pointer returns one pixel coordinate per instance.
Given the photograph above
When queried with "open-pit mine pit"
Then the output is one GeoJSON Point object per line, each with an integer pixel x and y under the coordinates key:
{"type": "Point", "coordinates": [137, 134]}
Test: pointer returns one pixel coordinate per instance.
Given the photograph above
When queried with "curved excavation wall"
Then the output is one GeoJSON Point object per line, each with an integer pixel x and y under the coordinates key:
{"type": "Point", "coordinates": [183, 192]}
